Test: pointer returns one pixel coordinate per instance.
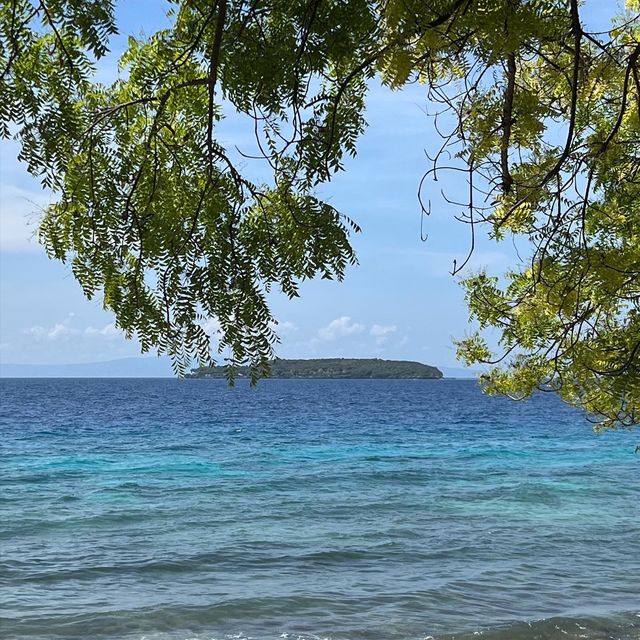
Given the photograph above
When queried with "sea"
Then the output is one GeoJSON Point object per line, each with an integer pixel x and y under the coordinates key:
{"type": "Point", "coordinates": [165, 509]}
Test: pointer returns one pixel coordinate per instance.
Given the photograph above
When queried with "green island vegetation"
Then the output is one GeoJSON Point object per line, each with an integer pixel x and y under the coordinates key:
{"type": "Point", "coordinates": [539, 117]}
{"type": "Point", "coordinates": [333, 368]}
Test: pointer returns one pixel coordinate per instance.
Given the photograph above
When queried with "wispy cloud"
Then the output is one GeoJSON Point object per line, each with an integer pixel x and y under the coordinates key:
{"type": "Point", "coordinates": [283, 327]}
{"type": "Point", "coordinates": [381, 332]}
{"type": "Point", "coordinates": [108, 331]}
{"type": "Point", "coordinates": [59, 331]}
{"type": "Point", "coordinates": [21, 214]}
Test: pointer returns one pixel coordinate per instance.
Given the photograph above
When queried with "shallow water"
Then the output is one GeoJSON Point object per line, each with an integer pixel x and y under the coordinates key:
{"type": "Point", "coordinates": [349, 510]}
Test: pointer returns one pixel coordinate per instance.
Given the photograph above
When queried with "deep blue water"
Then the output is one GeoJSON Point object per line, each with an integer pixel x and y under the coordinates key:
{"type": "Point", "coordinates": [349, 510]}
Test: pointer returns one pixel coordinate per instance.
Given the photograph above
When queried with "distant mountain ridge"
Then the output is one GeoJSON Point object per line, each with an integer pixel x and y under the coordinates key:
{"type": "Point", "coordinates": [150, 367]}
{"type": "Point", "coordinates": [335, 368]}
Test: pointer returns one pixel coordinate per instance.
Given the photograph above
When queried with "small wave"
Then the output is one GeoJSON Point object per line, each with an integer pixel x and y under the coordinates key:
{"type": "Point", "coordinates": [624, 626]}
{"type": "Point", "coordinates": [203, 623]}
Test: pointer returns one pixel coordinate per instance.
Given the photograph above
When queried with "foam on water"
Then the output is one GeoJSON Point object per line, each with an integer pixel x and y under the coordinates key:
{"type": "Point", "coordinates": [341, 510]}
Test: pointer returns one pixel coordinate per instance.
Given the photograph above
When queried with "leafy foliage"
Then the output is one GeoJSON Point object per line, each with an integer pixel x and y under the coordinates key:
{"type": "Point", "coordinates": [551, 147]}
{"type": "Point", "coordinates": [162, 220]}
{"type": "Point", "coordinates": [152, 212]}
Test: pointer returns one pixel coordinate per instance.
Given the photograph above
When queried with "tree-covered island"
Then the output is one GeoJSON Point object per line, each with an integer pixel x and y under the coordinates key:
{"type": "Point", "coordinates": [338, 368]}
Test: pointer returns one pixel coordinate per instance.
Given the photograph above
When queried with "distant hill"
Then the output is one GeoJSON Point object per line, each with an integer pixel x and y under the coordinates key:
{"type": "Point", "coordinates": [150, 367]}
{"type": "Point", "coordinates": [337, 368]}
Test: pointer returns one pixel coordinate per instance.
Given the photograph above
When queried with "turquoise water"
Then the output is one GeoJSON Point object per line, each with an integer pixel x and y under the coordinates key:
{"type": "Point", "coordinates": [349, 510]}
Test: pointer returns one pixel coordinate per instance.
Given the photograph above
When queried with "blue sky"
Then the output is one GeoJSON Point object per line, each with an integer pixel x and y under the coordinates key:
{"type": "Point", "coordinates": [400, 302]}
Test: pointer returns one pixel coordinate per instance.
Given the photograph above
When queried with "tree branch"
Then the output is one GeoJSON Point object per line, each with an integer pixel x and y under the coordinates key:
{"type": "Point", "coordinates": [213, 72]}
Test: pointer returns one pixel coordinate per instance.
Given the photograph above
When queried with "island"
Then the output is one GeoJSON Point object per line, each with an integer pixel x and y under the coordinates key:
{"type": "Point", "coordinates": [334, 368]}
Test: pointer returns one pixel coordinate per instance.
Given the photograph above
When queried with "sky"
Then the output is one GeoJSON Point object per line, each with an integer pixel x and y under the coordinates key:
{"type": "Point", "coordinates": [400, 302]}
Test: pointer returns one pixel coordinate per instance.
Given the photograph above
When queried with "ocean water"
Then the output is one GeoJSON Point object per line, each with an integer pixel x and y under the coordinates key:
{"type": "Point", "coordinates": [345, 510]}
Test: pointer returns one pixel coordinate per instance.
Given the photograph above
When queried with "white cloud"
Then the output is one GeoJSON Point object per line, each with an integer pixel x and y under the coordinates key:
{"type": "Point", "coordinates": [38, 332]}
{"type": "Point", "coordinates": [108, 331]}
{"type": "Point", "coordinates": [282, 327]}
{"type": "Point", "coordinates": [341, 327]}
{"type": "Point", "coordinates": [381, 332]}
{"type": "Point", "coordinates": [59, 331]}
